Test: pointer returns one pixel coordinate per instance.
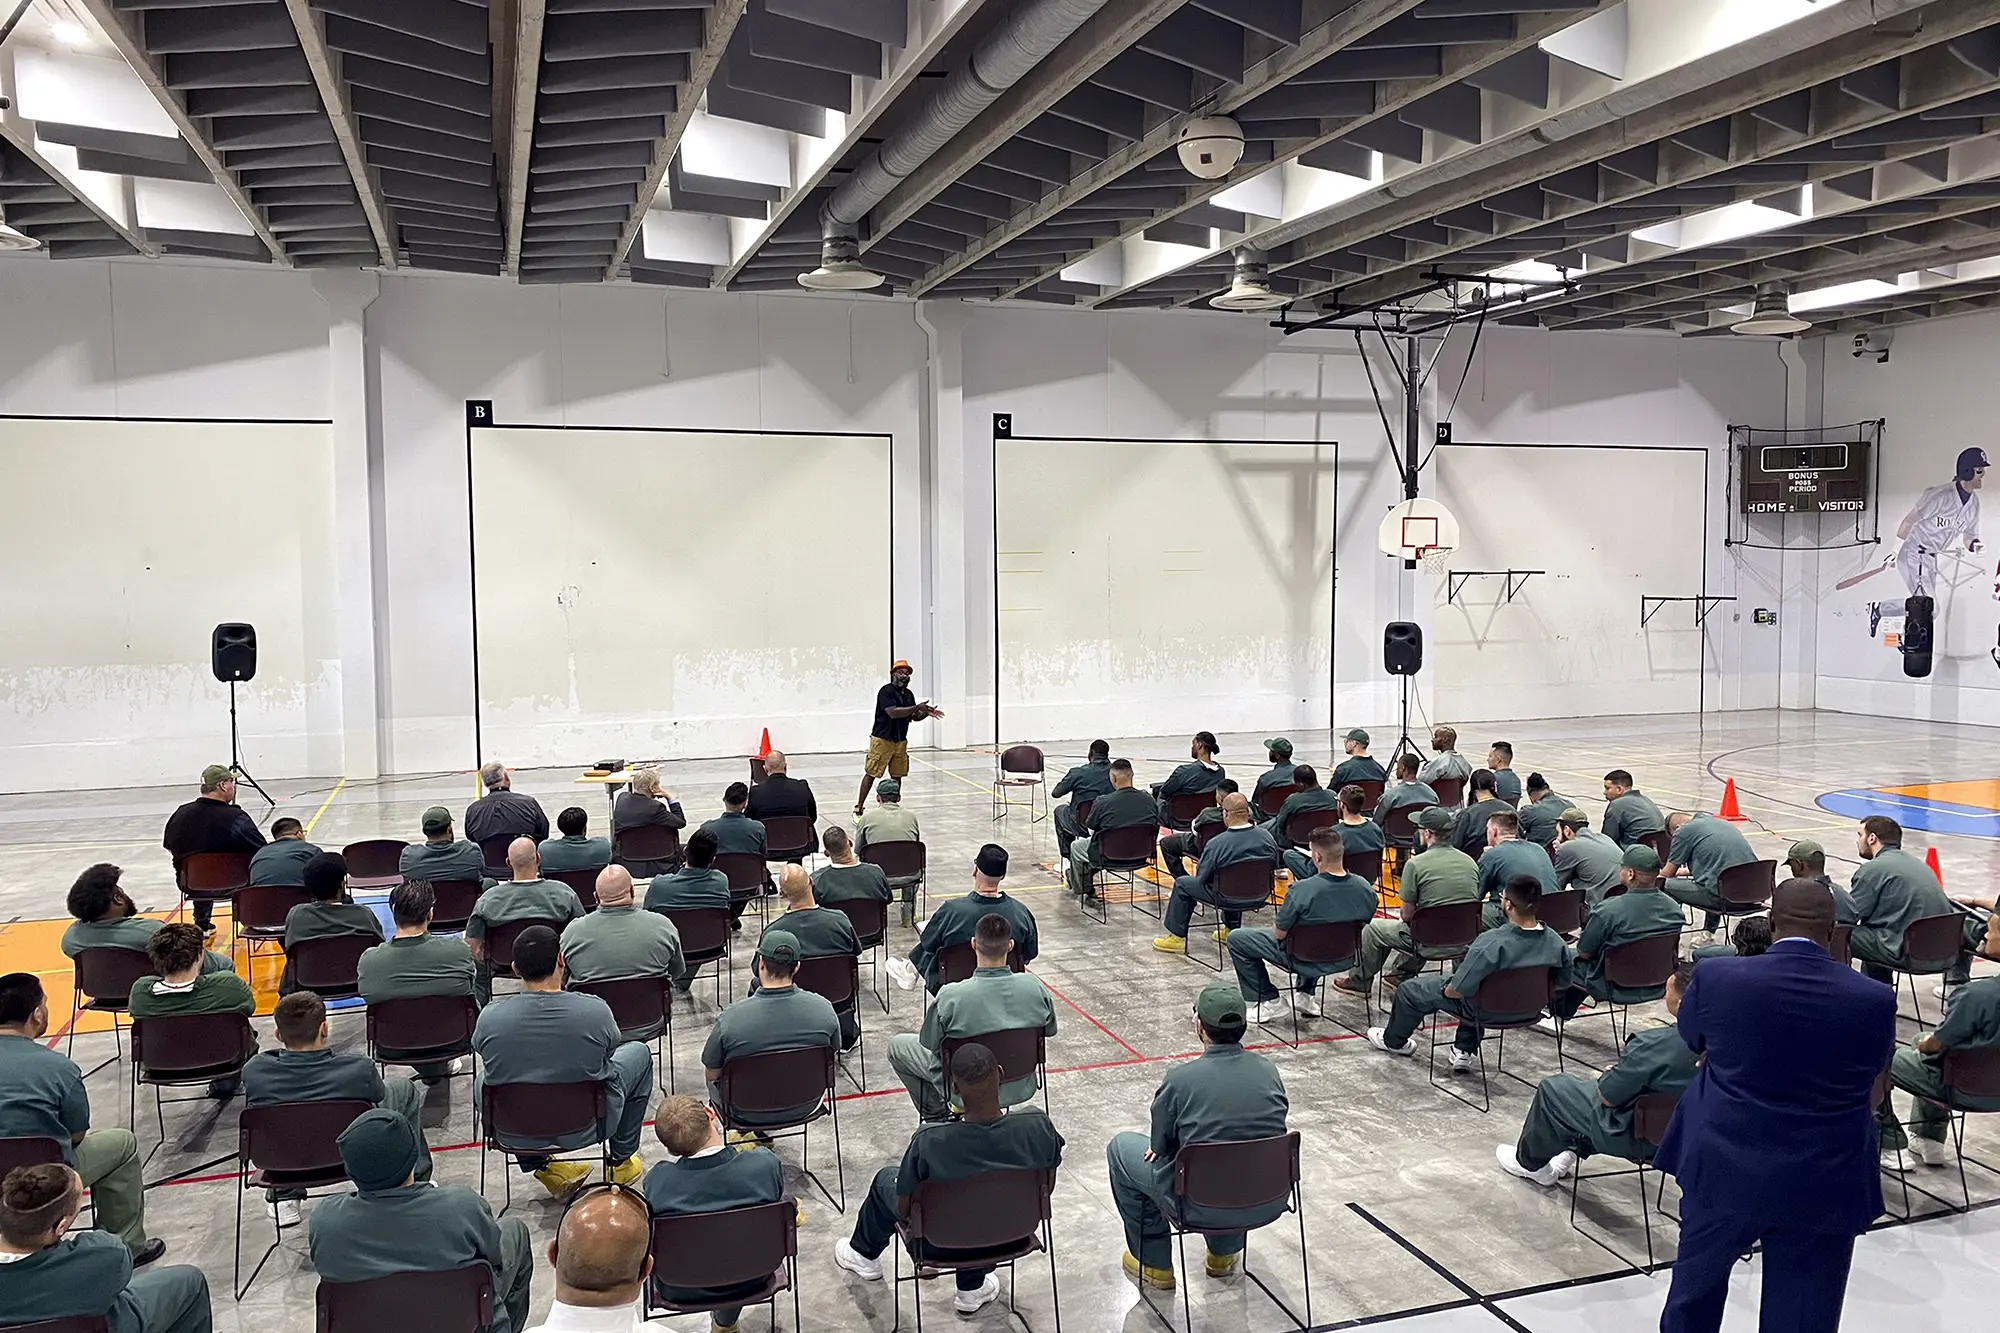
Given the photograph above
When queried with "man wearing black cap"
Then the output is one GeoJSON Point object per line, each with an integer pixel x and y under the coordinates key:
{"type": "Point", "coordinates": [994, 998]}
{"type": "Point", "coordinates": [393, 1224]}
{"type": "Point", "coordinates": [1279, 750]}
{"type": "Point", "coordinates": [1223, 1094]}
{"type": "Point", "coordinates": [778, 1016]}
{"type": "Point", "coordinates": [1359, 766]}
{"type": "Point", "coordinates": [1082, 784]}
{"type": "Point", "coordinates": [956, 921]}
{"type": "Point", "coordinates": [211, 822]}
{"type": "Point", "coordinates": [1199, 774]}
{"type": "Point", "coordinates": [443, 856]}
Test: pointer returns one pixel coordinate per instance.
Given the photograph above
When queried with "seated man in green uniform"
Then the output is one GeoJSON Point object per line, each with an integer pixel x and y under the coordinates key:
{"type": "Point", "coordinates": [956, 919]}
{"type": "Point", "coordinates": [620, 940]}
{"type": "Point", "coordinates": [1225, 1093]}
{"type": "Point", "coordinates": [527, 897]}
{"type": "Point", "coordinates": [1806, 859]}
{"type": "Point", "coordinates": [735, 831]}
{"type": "Point", "coordinates": [981, 1140]}
{"type": "Point", "coordinates": [48, 1274]}
{"type": "Point", "coordinates": [778, 1016]}
{"type": "Point", "coordinates": [846, 878]}
{"type": "Point", "coordinates": [42, 1097]}
{"type": "Point", "coordinates": [1481, 804]}
{"type": "Point", "coordinates": [282, 860]}
{"type": "Point", "coordinates": [304, 1070]}
{"type": "Point", "coordinates": [1328, 896]}
{"type": "Point", "coordinates": [1540, 811]}
{"type": "Point", "coordinates": [1359, 766]}
{"type": "Point", "coordinates": [1971, 1022]}
{"type": "Point", "coordinates": [329, 913]}
{"type": "Point", "coordinates": [107, 918]}
{"type": "Point", "coordinates": [1196, 777]}
{"type": "Point", "coordinates": [1629, 814]}
{"type": "Point", "coordinates": [1447, 763]}
{"type": "Point", "coordinates": [1241, 842]}
{"type": "Point", "coordinates": [1279, 751]}
{"type": "Point", "coordinates": [707, 1175]}
{"type": "Point", "coordinates": [1438, 874]}
{"type": "Point", "coordinates": [443, 857]}
{"type": "Point", "coordinates": [993, 999]}
{"type": "Point", "coordinates": [414, 963]}
{"type": "Point", "coordinates": [1638, 913]}
{"type": "Point", "coordinates": [1572, 1118]}
{"type": "Point", "coordinates": [822, 932]}
{"type": "Point", "coordinates": [1406, 790]}
{"type": "Point", "coordinates": [1084, 783]}
{"type": "Point", "coordinates": [1506, 857]}
{"type": "Point", "coordinates": [550, 1035]}
{"type": "Point", "coordinates": [1309, 797]}
{"type": "Point", "coordinates": [889, 820]}
{"type": "Point", "coordinates": [696, 884]}
{"type": "Point", "coordinates": [183, 986]}
{"type": "Point", "coordinates": [1506, 782]}
{"type": "Point", "coordinates": [1523, 942]}
{"type": "Point", "coordinates": [575, 849]}
{"type": "Point", "coordinates": [1703, 846]}
{"type": "Point", "coordinates": [1175, 848]}
{"type": "Point", "coordinates": [1893, 889]}
{"type": "Point", "coordinates": [1751, 937]}
{"type": "Point", "coordinates": [394, 1223]}
{"type": "Point", "coordinates": [1124, 807]}
{"type": "Point", "coordinates": [1359, 835]}
{"type": "Point", "coordinates": [1585, 859]}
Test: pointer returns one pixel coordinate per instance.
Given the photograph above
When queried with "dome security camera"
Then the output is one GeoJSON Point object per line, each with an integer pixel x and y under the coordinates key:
{"type": "Point", "coordinates": [1210, 146]}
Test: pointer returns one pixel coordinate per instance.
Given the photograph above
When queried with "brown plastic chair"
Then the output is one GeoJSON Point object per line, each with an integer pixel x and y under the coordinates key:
{"type": "Point", "coordinates": [956, 962]}
{"type": "Point", "coordinates": [1082, 809]}
{"type": "Point", "coordinates": [836, 978]}
{"type": "Point", "coordinates": [214, 877]}
{"type": "Point", "coordinates": [1561, 911]}
{"type": "Point", "coordinates": [1507, 1000]}
{"type": "Point", "coordinates": [1746, 890]}
{"type": "Point", "coordinates": [643, 1008]}
{"type": "Point", "coordinates": [870, 919]}
{"type": "Point", "coordinates": [1639, 969]}
{"type": "Point", "coordinates": [32, 1150]}
{"type": "Point", "coordinates": [783, 1092]}
{"type": "Point", "coordinates": [991, 1220]}
{"type": "Point", "coordinates": [1322, 944]}
{"type": "Point", "coordinates": [374, 863]}
{"type": "Point", "coordinates": [330, 967]}
{"type": "Point", "coordinates": [260, 910]}
{"type": "Point", "coordinates": [903, 862]}
{"type": "Point", "coordinates": [1272, 799]}
{"type": "Point", "coordinates": [726, 1250]}
{"type": "Point", "coordinates": [1651, 1115]}
{"type": "Point", "coordinates": [788, 836]}
{"type": "Point", "coordinates": [179, 1050]}
{"type": "Point", "coordinates": [1661, 843]}
{"type": "Point", "coordinates": [1368, 865]}
{"type": "Point", "coordinates": [1304, 823]}
{"type": "Point", "coordinates": [1243, 887]}
{"type": "Point", "coordinates": [500, 941]}
{"type": "Point", "coordinates": [1371, 792]}
{"type": "Point", "coordinates": [1020, 766]}
{"type": "Point", "coordinates": [531, 1119]}
{"type": "Point", "coordinates": [106, 975]}
{"type": "Point", "coordinates": [421, 1030]}
{"type": "Point", "coordinates": [1445, 930]}
{"type": "Point", "coordinates": [292, 1146]}
{"type": "Point", "coordinates": [1182, 807]}
{"type": "Point", "coordinates": [1841, 946]}
{"type": "Point", "coordinates": [493, 851]}
{"type": "Point", "coordinates": [1450, 791]}
{"type": "Point", "coordinates": [1204, 831]}
{"type": "Point", "coordinates": [1931, 945]}
{"type": "Point", "coordinates": [453, 901]}
{"type": "Point", "coordinates": [1119, 853]}
{"type": "Point", "coordinates": [648, 842]}
{"type": "Point", "coordinates": [583, 883]}
{"type": "Point", "coordinates": [1020, 1053]}
{"type": "Point", "coordinates": [704, 933]}
{"type": "Point", "coordinates": [74, 1324]}
{"type": "Point", "coordinates": [747, 874]}
{"type": "Point", "coordinates": [455, 1300]}
{"type": "Point", "coordinates": [1239, 1175]}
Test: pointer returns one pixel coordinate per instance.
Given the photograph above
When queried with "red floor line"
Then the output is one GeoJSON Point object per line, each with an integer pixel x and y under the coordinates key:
{"type": "Point", "coordinates": [1127, 1046]}
{"type": "Point", "coordinates": [62, 1031]}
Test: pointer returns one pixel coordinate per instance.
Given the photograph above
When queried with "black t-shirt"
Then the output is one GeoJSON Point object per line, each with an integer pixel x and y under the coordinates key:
{"type": "Point", "coordinates": [889, 728]}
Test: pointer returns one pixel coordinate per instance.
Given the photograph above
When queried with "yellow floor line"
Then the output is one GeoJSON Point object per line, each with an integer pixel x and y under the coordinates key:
{"type": "Point", "coordinates": [976, 786]}
{"type": "Point", "coordinates": [323, 806]}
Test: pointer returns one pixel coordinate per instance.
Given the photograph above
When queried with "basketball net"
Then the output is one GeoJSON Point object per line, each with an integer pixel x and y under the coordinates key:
{"type": "Point", "coordinates": [1436, 560]}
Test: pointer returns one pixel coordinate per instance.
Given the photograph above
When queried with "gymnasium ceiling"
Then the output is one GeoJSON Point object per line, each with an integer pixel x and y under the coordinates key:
{"type": "Point", "coordinates": [1662, 157]}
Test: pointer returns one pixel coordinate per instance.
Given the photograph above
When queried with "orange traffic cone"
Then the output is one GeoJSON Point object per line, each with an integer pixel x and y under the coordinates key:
{"type": "Point", "coordinates": [764, 746]}
{"type": "Point", "coordinates": [1931, 860]}
{"type": "Point", "coordinates": [1730, 810]}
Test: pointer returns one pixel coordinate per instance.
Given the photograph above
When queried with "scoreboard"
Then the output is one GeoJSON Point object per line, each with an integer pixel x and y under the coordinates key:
{"type": "Point", "coordinates": [1830, 477]}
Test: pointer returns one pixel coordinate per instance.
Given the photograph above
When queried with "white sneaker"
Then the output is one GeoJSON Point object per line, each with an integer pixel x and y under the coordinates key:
{"type": "Point", "coordinates": [855, 1262]}
{"type": "Point", "coordinates": [1563, 1164]}
{"type": "Point", "coordinates": [1549, 1025]}
{"type": "Point", "coordinates": [1375, 1039]}
{"type": "Point", "coordinates": [1892, 1162]}
{"type": "Point", "coordinates": [1307, 1002]}
{"type": "Point", "coordinates": [972, 1302]}
{"type": "Point", "coordinates": [1463, 1060]}
{"type": "Point", "coordinates": [903, 974]}
{"type": "Point", "coordinates": [1267, 1011]}
{"type": "Point", "coordinates": [462, 1065]}
{"type": "Point", "coordinates": [1941, 990]}
{"type": "Point", "coordinates": [287, 1213]}
{"type": "Point", "coordinates": [1930, 1152]}
{"type": "Point", "coordinates": [1701, 939]}
{"type": "Point", "coordinates": [1511, 1164]}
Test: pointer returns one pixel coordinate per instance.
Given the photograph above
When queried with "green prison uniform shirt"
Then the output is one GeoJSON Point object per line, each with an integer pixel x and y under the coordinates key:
{"type": "Point", "coordinates": [1023, 1140]}
{"type": "Point", "coordinates": [281, 863]}
{"type": "Point", "coordinates": [1193, 776]}
{"type": "Point", "coordinates": [1437, 875]}
{"type": "Point", "coordinates": [41, 1094]}
{"type": "Point", "coordinates": [1891, 891]}
{"type": "Point", "coordinates": [574, 852]}
{"type": "Point", "coordinates": [1397, 795]}
{"type": "Point", "coordinates": [323, 921]}
{"type": "Point", "coordinates": [1222, 1094]}
{"type": "Point", "coordinates": [885, 821]}
{"type": "Point", "coordinates": [614, 943]}
{"type": "Point", "coordinates": [406, 1229]}
{"type": "Point", "coordinates": [771, 1020]}
{"type": "Point", "coordinates": [279, 1076]}
{"type": "Point", "coordinates": [82, 1276]}
{"type": "Point", "coordinates": [1631, 817]}
{"type": "Point", "coordinates": [1469, 833]}
{"type": "Point", "coordinates": [523, 900]}
{"type": "Point", "coordinates": [548, 1037]}
{"type": "Point", "coordinates": [992, 999]}
{"type": "Point", "coordinates": [1322, 899]}
{"type": "Point", "coordinates": [1633, 915]}
{"type": "Point", "coordinates": [1589, 861]}
{"type": "Point", "coordinates": [1210, 814]}
{"type": "Point", "coordinates": [820, 931]}
{"type": "Point", "coordinates": [132, 932]}
{"type": "Point", "coordinates": [1538, 818]}
{"type": "Point", "coordinates": [1085, 782]}
{"type": "Point", "coordinates": [450, 862]}
{"type": "Point", "coordinates": [735, 832]}
{"type": "Point", "coordinates": [1503, 861]}
{"type": "Point", "coordinates": [212, 993]}
{"type": "Point", "coordinates": [1506, 947]}
{"type": "Point", "coordinates": [1235, 846]}
{"type": "Point", "coordinates": [1357, 768]}
{"type": "Point", "coordinates": [955, 920]}
{"type": "Point", "coordinates": [1278, 775]}
{"type": "Point", "coordinates": [1971, 1020]}
{"type": "Point", "coordinates": [417, 965]}
{"type": "Point", "coordinates": [1706, 846]}
{"type": "Point", "coordinates": [714, 1182]}
{"type": "Point", "coordinates": [1655, 1060]}
{"type": "Point", "coordinates": [1365, 835]}
{"type": "Point", "coordinates": [1312, 798]}
{"type": "Point", "coordinates": [1125, 808]}
{"type": "Point", "coordinates": [1507, 785]}
{"type": "Point", "coordinates": [688, 888]}
{"type": "Point", "coordinates": [846, 884]}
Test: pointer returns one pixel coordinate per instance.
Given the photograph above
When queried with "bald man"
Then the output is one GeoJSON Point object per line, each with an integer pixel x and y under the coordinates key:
{"type": "Point", "coordinates": [528, 897]}
{"type": "Point", "coordinates": [1241, 842]}
{"type": "Point", "coordinates": [601, 1264]}
{"type": "Point", "coordinates": [620, 940]}
{"type": "Point", "coordinates": [822, 932]}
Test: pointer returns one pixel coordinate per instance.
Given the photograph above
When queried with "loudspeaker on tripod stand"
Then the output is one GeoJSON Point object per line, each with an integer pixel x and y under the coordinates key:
{"type": "Point", "coordinates": [1402, 648]}
{"type": "Point", "coordinates": [232, 651]}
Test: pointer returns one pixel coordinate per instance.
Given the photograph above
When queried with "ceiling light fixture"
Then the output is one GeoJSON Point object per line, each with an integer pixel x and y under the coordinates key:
{"type": "Point", "coordinates": [1250, 285]}
{"type": "Point", "coordinates": [840, 268]}
{"type": "Point", "coordinates": [1772, 314]}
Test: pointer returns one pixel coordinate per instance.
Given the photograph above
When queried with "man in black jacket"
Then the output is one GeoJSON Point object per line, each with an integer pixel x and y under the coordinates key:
{"type": "Point", "coordinates": [643, 805]}
{"type": "Point", "coordinates": [781, 794]}
{"type": "Point", "coordinates": [211, 822]}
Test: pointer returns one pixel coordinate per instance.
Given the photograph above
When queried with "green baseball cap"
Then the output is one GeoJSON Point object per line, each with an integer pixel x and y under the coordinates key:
{"type": "Point", "coordinates": [1642, 859]}
{"type": "Point", "coordinates": [889, 789]}
{"type": "Point", "coordinates": [1804, 850]}
{"type": "Point", "coordinates": [1358, 736]}
{"type": "Point", "coordinates": [1574, 817]}
{"type": "Point", "coordinates": [1220, 1005]}
{"type": "Point", "coordinates": [1278, 745]}
{"type": "Point", "coordinates": [1435, 818]}
{"type": "Point", "coordinates": [780, 946]}
{"type": "Point", "coordinates": [214, 776]}
{"type": "Point", "coordinates": [436, 820]}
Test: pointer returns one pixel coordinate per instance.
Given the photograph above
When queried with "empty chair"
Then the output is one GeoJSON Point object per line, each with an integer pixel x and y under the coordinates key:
{"type": "Point", "coordinates": [330, 966]}
{"type": "Point", "coordinates": [374, 864]}
{"type": "Point", "coordinates": [1020, 766]}
{"type": "Point", "coordinates": [291, 1146]}
{"type": "Point", "coordinates": [726, 1250]}
{"type": "Point", "coordinates": [646, 844]}
{"type": "Point", "coordinates": [458, 1300]}
{"type": "Point", "coordinates": [1931, 946]}
{"type": "Point", "coordinates": [788, 838]}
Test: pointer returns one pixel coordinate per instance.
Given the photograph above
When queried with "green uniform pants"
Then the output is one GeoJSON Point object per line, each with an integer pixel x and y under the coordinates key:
{"type": "Point", "coordinates": [917, 1065]}
{"type": "Point", "coordinates": [1250, 949]}
{"type": "Point", "coordinates": [1067, 829]}
{"type": "Point", "coordinates": [1081, 868]}
{"type": "Point", "coordinates": [1690, 894]}
{"type": "Point", "coordinates": [1176, 848]}
{"type": "Point", "coordinates": [517, 1269]}
{"type": "Point", "coordinates": [1147, 1234]}
{"type": "Point", "coordinates": [108, 1161]}
{"type": "Point", "coordinates": [1923, 1079]}
{"type": "Point", "coordinates": [174, 1299]}
{"type": "Point", "coordinates": [1298, 863]}
{"type": "Point", "coordinates": [1563, 1116]}
{"type": "Point", "coordinates": [1379, 939]}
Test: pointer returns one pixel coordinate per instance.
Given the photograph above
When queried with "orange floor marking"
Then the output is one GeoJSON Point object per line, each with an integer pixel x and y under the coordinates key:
{"type": "Point", "coordinates": [1980, 793]}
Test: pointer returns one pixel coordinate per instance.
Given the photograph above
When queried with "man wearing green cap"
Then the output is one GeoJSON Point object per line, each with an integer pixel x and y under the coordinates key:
{"type": "Point", "coordinates": [956, 920]}
{"type": "Point", "coordinates": [1505, 857]}
{"type": "Point", "coordinates": [888, 821]}
{"type": "Point", "coordinates": [1806, 859]}
{"type": "Point", "coordinates": [1279, 774]}
{"type": "Point", "coordinates": [1638, 913]}
{"type": "Point", "coordinates": [1330, 896]}
{"type": "Point", "coordinates": [443, 856]}
{"type": "Point", "coordinates": [1439, 873]}
{"type": "Point", "coordinates": [1406, 790]}
{"type": "Point", "coordinates": [1703, 847]}
{"type": "Point", "coordinates": [1082, 784]}
{"type": "Point", "coordinates": [393, 1224]}
{"type": "Point", "coordinates": [1540, 812]}
{"type": "Point", "coordinates": [1585, 858]}
{"type": "Point", "coordinates": [1226, 1093]}
{"type": "Point", "coordinates": [993, 999]}
{"type": "Point", "coordinates": [525, 897]}
{"type": "Point", "coordinates": [778, 1016]}
{"type": "Point", "coordinates": [211, 822]}
{"type": "Point", "coordinates": [1629, 814]}
{"type": "Point", "coordinates": [1359, 766]}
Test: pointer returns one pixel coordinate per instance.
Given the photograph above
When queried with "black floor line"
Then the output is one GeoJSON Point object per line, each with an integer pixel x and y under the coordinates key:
{"type": "Point", "coordinates": [1472, 1296]}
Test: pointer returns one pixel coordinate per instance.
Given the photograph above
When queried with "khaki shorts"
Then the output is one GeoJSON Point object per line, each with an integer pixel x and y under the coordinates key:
{"type": "Point", "coordinates": [891, 757]}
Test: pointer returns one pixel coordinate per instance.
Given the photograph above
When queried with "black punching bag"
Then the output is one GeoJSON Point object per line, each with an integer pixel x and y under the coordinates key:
{"type": "Point", "coordinates": [1917, 612]}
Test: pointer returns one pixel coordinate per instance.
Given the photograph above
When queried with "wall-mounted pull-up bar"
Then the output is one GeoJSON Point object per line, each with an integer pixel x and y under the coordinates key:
{"type": "Point", "coordinates": [1455, 580]}
{"type": "Point", "coordinates": [1703, 604]}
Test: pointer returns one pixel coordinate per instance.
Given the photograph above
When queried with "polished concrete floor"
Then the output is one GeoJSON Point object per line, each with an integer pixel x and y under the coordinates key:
{"type": "Point", "coordinates": [1404, 1208]}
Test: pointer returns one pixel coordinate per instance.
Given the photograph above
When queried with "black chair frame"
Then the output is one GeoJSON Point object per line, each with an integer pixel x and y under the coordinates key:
{"type": "Point", "coordinates": [928, 1265]}
{"type": "Point", "coordinates": [489, 1141]}
{"type": "Point", "coordinates": [1105, 867]}
{"type": "Point", "coordinates": [830, 963]}
{"type": "Point", "coordinates": [326, 1175]}
{"type": "Point", "coordinates": [404, 1292]}
{"type": "Point", "coordinates": [189, 1076]}
{"type": "Point", "coordinates": [1502, 1024]}
{"type": "Point", "coordinates": [827, 1107]}
{"type": "Point", "coordinates": [1295, 1204]}
{"type": "Point", "coordinates": [653, 1304]}
{"type": "Point", "coordinates": [137, 964]}
{"type": "Point", "coordinates": [1954, 1061]}
{"type": "Point", "coordinates": [1208, 916]}
{"type": "Point", "coordinates": [870, 919]}
{"type": "Point", "coordinates": [416, 1057]}
{"type": "Point", "coordinates": [1650, 1118]}
{"type": "Point", "coordinates": [666, 1025]}
{"type": "Point", "coordinates": [1324, 944]}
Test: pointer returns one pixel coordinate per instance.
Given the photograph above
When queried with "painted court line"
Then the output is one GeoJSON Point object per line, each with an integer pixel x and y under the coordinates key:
{"type": "Point", "coordinates": [323, 806]}
{"type": "Point", "coordinates": [1128, 1047]}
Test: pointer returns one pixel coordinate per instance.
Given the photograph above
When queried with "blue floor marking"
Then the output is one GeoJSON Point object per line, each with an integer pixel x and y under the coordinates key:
{"type": "Point", "coordinates": [1914, 812]}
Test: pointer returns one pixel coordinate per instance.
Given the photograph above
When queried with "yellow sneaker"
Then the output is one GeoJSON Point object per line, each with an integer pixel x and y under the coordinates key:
{"type": "Point", "coordinates": [1222, 935]}
{"type": "Point", "coordinates": [1170, 944]}
{"type": "Point", "coordinates": [718, 1327]}
{"type": "Point", "coordinates": [743, 1138]}
{"type": "Point", "coordinates": [1222, 1265]}
{"type": "Point", "coordinates": [628, 1171]}
{"type": "Point", "coordinates": [561, 1178]}
{"type": "Point", "coordinates": [1159, 1278]}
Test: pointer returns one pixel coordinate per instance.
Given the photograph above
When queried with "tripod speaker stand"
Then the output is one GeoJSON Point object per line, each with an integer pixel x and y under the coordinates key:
{"type": "Point", "coordinates": [232, 651]}
{"type": "Point", "coordinates": [1403, 657]}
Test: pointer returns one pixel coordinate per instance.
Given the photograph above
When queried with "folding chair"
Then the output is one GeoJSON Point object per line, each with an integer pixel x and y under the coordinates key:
{"type": "Point", "coordinates": [783, 1092]}
{"type": "Point", "coordinates": [374, 864]}
{"type": "Point", "coordinates": [215, 877]}
{"type": "Point", "coordinates": [1272, 799]}
{"type": "Point", "coordinates": [259, 912]}
{"type": "Point", "coordinates": [183, 1050]}
{"type": "Point", "coordinates": [456, 1300]}
{"type": "Point", "coordinates": [421, 1030]}
{"type": "Point", "coordinates": [746, 874]}
{"type": "Point", "coordinates": [1661, 843]}
{"type": "Point", "coordinates": [500, 941]}
{"type": "Point", "coordinates": [1442, 933]}
{"type": "Point", "coordinates": [1973, 1072]}
{"type": "Point", "coordinates": [836, 978]}
{"type": "Point", "coordinates": [532, 1119]}
{"type": "Point", "coordinates": [1450, 791]}
{"type": "Point", "coordinates": [1020, 766]}
{"type": "Point", "coordinates": [1020, 1053]}
{"type": "Point", "coordinates": [991, 1220]}
{"type": "Point", "coordinates": [1243, 887]}
{"type": "Point", "coordinates": [1368, 865]}
{"type": "Point", "coordinates": [704, 935]}
{"type": "Point", "coordinates": [330, 967]}
{"type": "Point", "coordinates": [647, 843]}
{"type": "Point", "coordinates": [1509, 999]}
{"type": "Point", "coordinates": [1371, 792]}
{"type": "Point", "coordinates": [1745, 890]}
{"type": "Point", "coordinates": [870, 919]}
{"type": "Point", "coordinates": [106, 975]}
{"type": "Point", "coordinates": [1304, 823]}
{"type": "Point", "coordinates": [1931, 946]}
{"type": "Point", "coordinates": [1638, 969]}
{"type": "Point", "coordinates": [728, 1250]}
{"type": "Point", "coordinates": [493, 851]}
{"type": "Point", "coordinates": [1562, 912]}
{"type": "Point", "coordinates": [1650, 1117]}
{"type": "Point", "coordinates": [1841, 946]}
{"type": "Point", "coordinates": [958, 961]}
{"type": "Point", "coordinates": [1119, 853]}
{"type": "Point", "coordinates": [1326, 944]}
{"type": "Point", "coordinates": [789, 836]}
{"type": "Point", "coordinates": [1243, 1174]}
{"type": "Point", "coordinates": [289, 1145]}
{"type": "Point", "coordinates": [1183, 806]}
{"type": "Point", "coordinates": [583, 883]}
{"type": "Point", "coordinates": [452, 904]}
{"type": "Point", "coordinates": [903, 863]}
{"type": "Point", "coordinates": [643, 1008]}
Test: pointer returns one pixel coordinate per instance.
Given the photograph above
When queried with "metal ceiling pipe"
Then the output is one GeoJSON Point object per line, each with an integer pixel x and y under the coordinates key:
{"type": "Point", "coordinates": [1025, 38]}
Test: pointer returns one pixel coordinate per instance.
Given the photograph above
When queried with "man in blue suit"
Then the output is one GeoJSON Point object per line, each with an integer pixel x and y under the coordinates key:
{"type": "Point", "coordinates": [1774, 1141]}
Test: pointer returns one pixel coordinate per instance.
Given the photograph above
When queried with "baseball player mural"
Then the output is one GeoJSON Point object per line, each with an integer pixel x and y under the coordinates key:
{"type": "Point", "coordinates": [1942, 515]}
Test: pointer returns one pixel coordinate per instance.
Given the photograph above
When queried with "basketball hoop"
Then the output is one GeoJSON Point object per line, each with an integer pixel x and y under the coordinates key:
{"type": "Point", "coordinates": [1420, 531]}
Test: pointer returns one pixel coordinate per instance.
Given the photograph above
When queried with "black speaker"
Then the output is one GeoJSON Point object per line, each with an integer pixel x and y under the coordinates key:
{"type": "Point", "coordinates": [1403, 648]}
{"type": "Point", "coordinates": [1917, 633]}
{"type": "Point", "coordinates": [232, 652]}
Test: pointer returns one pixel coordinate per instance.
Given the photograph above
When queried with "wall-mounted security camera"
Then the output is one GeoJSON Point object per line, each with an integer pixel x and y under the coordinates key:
{"type": "Point", "coordinates": [6, 102]}
{"type": "Point", "coordinates": [1874, 343]}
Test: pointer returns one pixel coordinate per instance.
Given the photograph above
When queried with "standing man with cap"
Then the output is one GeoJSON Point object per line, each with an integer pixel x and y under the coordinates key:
{"type": "Point", "coordinates": [777, 1016]}
{"type": "Point", "coordinates": [394, 1224]}
{"type": "Point", "coordinates": [896, 707]}
{"type": "Point", "coordinates": [1585, 858]}
{"type": "Point", "coordinates": [443, 856]}
{"type": "Point", "coordinates": [1198, 775]}
{"type": "Point", "coordinates": [1629, 814]}
{"type": "Point", "coordinates": [211, 822]}
{"type": "Point", "coordinates": [994, 998]}
{"type": "Point", "coordinates": [1225, 1093]}
{"type": "Point", "coordinates": [502, 812]}
{"type": "Point", "coordinates": [1240, 843]}
{"type": "Point", "coordinates": [1439, 873]}
{"type": "Point", "coordinates": [956, 921]}
{"type": "Point", "coordinates": [1775, 1140]}
{"type": "Point", "coordinates": [1279, 750]}
{"type": "Point", "coordinates": [1359, 766]}
{"type": "Point", "coordinates": [1703, 846]}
